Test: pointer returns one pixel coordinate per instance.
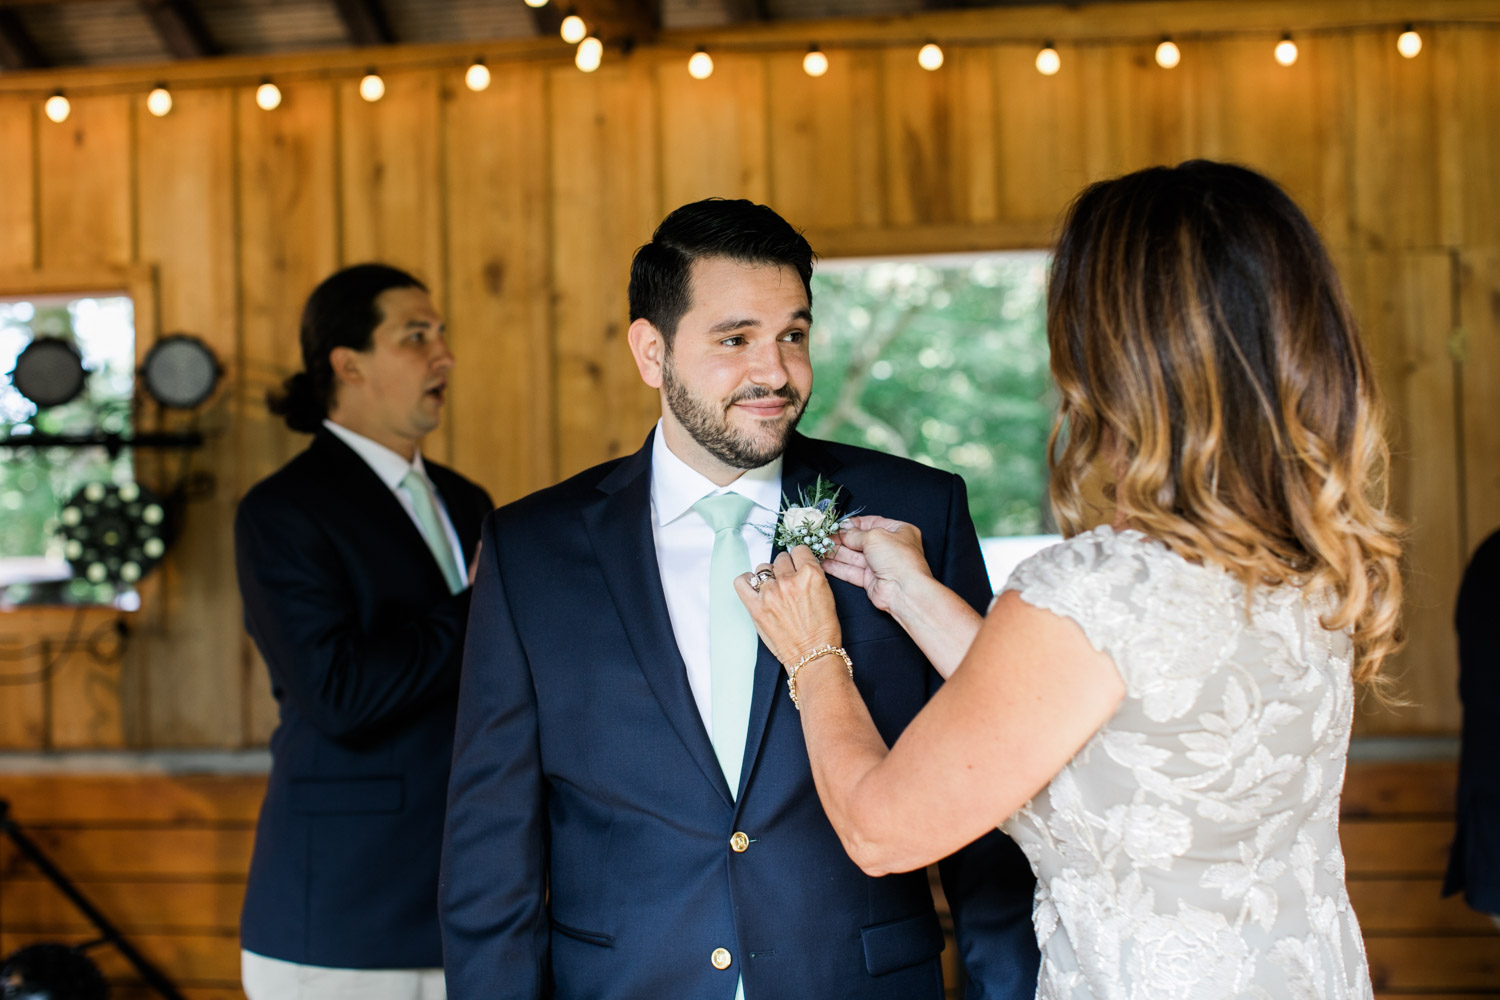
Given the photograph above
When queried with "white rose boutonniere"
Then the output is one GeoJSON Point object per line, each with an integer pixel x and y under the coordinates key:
{"type": "Point", "coordinates": [812, 520]}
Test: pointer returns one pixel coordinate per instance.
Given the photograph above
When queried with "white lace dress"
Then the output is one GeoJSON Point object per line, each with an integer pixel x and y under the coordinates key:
{"type": "Point", "coordinates": [1190, 850]}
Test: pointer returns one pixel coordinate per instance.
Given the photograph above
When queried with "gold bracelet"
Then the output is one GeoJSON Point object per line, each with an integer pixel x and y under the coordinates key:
{"type": "Point", "coordinates": [791, 680]}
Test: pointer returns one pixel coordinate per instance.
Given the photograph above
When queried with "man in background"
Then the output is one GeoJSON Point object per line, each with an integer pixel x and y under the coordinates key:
{"type": "Point", "coordinates": [1474, 863]}
{"type": "Point", "coordinates": [353, 564]}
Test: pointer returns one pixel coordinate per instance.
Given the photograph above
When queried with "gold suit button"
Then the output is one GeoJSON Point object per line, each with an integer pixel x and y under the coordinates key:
{"type": "Point", "coordinates": [739, 843]}
{"type": "Point", "coordinates": [720, 958]}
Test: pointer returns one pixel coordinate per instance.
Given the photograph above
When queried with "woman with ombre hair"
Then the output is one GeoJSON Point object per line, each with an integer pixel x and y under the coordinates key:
{"type": "Point", "coordinates": [1158, 709]}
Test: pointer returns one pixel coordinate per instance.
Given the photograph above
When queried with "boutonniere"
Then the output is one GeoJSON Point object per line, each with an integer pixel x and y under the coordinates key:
{"type": "Point", "coordinates": [812, 520]}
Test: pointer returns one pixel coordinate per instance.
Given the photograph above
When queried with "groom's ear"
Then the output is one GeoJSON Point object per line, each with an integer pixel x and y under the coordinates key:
{"type": "Point", "coordinates": [649, 348]}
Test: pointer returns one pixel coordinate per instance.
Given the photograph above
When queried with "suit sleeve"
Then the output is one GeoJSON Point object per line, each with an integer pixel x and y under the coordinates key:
{"type": "Point", "coordinates": [1474, 861]}
{"type": "Point", "coordinates": [493, 886]}
{"type": "Point", "coordinates": [989, 884]}
{"type": "Point", "coordinates": [347, 680]}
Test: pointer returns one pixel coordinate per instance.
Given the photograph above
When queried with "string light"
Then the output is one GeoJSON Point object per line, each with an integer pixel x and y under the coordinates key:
{"type": "Point", "coordinates": [1409, 43]}
{"type": "Point", "coordinates": [590, 54]}
{"type": "Point", "coordinates": [1048, 62]}
{"type": "Point", "coordinates": [57, 108]}
{"type": "Point", "coordinates": [701, 65]}
{"type": "Point", "coordinates": [815, 63]}
{"type": "Point", "coordinates": [573, 30]}
{"type": "Point", "coordinates": [477, 76]}
{"type": "Point", "coordinates": [1168, 55]}
{"type": "Point", "coordinates": [930, 57]}
{"type": "Point", "coordinates": [268, 96]}
{"type": "Point", "coordinates": [159, 101]}
{"type": "Point", "coordinates": [371, 86]}
{"type": "Point", "coordinates": [1286, 50]}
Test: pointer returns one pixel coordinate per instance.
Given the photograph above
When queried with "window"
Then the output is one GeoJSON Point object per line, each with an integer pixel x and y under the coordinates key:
{"type": "Point", "coordinates": [35, 483]}
{"type": "Point", "coordinates": [944, 360]}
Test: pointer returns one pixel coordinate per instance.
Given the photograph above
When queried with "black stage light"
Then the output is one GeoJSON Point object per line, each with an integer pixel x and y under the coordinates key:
{"type": "Point", "coordinates": [49, 372]}
{"type": "Point", "coordinates": [180, 371]}
{"type": "Point", "coordinates": [114, 534]}
{"type": "Point", "coordinates": [51, 972]}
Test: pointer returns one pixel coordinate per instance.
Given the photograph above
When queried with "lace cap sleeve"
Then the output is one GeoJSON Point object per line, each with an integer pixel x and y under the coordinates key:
{"type": "Point", "coordinates": [1098, 580]}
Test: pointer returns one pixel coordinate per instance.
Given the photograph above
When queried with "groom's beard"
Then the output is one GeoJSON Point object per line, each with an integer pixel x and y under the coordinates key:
{"type": "Point", "coordinates": [708, 423]}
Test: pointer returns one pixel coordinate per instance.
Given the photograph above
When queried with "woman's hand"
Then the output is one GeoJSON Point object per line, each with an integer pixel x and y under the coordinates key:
{"type": "Point", "coordinates": [881, 555]}
{"type": "Point", "coordinates": [793, 608]}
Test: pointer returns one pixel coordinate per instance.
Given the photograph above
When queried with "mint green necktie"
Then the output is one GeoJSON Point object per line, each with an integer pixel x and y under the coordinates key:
{"type": "Point", "coordinates": [732, 644]}
{"type": "Point", "coordinates": [425, 505]}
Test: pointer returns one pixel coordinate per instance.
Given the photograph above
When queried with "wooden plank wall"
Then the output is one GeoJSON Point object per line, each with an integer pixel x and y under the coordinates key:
{"type": "Point", "coordinates": [521, 206]}
{"type": "Point", "coordinates": [165, 858]}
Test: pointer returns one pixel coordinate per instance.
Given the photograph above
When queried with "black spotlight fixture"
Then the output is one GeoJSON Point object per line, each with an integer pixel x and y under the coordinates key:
{"type": "Point", "coordinates": [51, 972]}
{"type": "Point", "coordinates": [114, 534]}
{"type": "Point", "coordinates": [49, 372]}
{"type": "Point", "coordinates": [180, 372]}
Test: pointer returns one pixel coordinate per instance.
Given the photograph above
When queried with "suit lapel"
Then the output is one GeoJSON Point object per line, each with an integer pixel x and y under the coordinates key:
{"type": "Point", "coordinates": [366, 493]}
{"type": "Point", "coordinates": [804, 461]}
{"type": "Point", "coordinates": [619, 527]}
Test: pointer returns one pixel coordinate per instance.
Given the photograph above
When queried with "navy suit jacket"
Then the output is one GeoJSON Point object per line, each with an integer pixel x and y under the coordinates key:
{"type": "Point", "coordinates": [1474, 864]}
{"type": "Point", "coordinates": [587, 851]}
{"type": "Point", "coordinates": [363, 640]}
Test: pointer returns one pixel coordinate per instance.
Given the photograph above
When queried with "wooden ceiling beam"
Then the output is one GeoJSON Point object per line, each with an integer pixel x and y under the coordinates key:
{"type": "Point", "coordinates": [18, 50]}
{"type": "Point", "coordinates": [180, 28]}
{"type": "Point", "coordinates": [628, 22]}
{"type": "Point", "coordinates": [365, 22]}
{"type": "Point", "coordinates": [740, 11]}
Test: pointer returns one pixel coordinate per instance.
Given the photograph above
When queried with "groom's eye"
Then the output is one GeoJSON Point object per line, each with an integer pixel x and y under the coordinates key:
{"type": "Point", "coordinates": [734, 341]}
{"type": "Point", "coordinates": [794, 336]}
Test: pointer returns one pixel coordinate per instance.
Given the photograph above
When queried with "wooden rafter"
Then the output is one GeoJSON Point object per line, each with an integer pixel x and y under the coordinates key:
{"type": "Point", "coordinates": [365, 22]}
{"type": "Point", "coordinates": [17, 48]}
{"type": "Point", "coordinates": [738, 11]}
{"type": "Point", "coordinates": [629, 22]}
{"type": "Point", "coordinates": [180, 28]}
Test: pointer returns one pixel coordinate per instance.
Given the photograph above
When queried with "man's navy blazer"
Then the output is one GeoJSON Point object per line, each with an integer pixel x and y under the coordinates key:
{"type": "Point", "coordinates": [1474, 862]}
{"type": "Point", "coordinates": [588, 855]}
{"type": "Point", "coordinates": [363, 640]}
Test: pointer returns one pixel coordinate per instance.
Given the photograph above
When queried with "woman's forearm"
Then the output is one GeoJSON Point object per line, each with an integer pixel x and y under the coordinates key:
{"type": "Point", "coordinates": [939, 621]}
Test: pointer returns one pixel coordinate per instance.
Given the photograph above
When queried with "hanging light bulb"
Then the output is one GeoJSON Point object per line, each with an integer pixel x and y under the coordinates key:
{"type": "Point", "coordinates": [1048, 62]}
{"type": "Point", "coordinates": [701, 65]}
{"type": "Point", "coordinates": [57, 108]}
{"type": "Point", "coordinates": [477, 76]}
{"type": "Point", "coordinates": [1410, 43]}
{"type": "Point", "coordinates": [268, 96]}
{"type": "Point", "coordinates": [930, 57]}
{"type": "Point", "coordinates": [1286, 50]}
{"type": "Point", "coordinates": [159, 101]}
{"type": "Point", "coordinates": [1168, 55]}
{"type": "Point", "coordinates": [573, 30]}
{"type": "Point", "coordinates": [815, 63]}
{"type": "Point", "coordinates": [590, 54]}
{"type": "Point", "coordinates": [371, 86]}
{"type": "Point", "coordinates": [532, 3]}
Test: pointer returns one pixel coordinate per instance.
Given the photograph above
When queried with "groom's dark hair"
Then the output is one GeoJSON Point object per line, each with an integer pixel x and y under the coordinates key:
{"type": "Point", "coordinates": [661, 289]}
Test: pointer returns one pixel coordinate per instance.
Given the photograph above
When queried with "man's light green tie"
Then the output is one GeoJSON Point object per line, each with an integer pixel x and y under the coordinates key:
{"type": "Point", "coordinates": [732, 644]}
{"type": "Point", "coordinates": [425, 505]}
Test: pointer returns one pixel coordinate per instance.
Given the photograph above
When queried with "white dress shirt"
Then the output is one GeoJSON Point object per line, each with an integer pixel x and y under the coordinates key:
{"type": "Point", "coordinates": [685, 544]}
{"type": "Point", "coordinates": [392, 468]}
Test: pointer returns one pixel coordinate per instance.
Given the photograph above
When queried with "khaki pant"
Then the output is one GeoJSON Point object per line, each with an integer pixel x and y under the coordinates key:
{"type": "Point", "coordinates": [272, 979]}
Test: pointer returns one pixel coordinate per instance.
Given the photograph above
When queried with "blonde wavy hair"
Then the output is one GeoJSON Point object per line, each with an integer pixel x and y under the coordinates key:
{"type": "Point", "coordinates": [1204, 351]}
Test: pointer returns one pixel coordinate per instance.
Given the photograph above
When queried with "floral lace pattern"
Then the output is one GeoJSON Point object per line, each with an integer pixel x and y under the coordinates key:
{"type": "Point", "coordinates": [1191, 848]}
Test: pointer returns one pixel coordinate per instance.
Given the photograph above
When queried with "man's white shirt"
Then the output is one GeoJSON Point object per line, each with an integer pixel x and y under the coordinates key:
{"type": "Point", "coordinates": [391, 468]}
{"type": "Point", "coordinates": [684, 549]}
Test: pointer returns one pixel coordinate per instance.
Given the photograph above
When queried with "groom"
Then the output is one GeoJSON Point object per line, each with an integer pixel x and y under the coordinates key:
{"type": "Point", "coordinates": [631, 813]}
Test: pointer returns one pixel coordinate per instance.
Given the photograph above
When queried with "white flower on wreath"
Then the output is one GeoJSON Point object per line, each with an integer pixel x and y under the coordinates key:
{"type": "Point", "coordinates": [797, 518]}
